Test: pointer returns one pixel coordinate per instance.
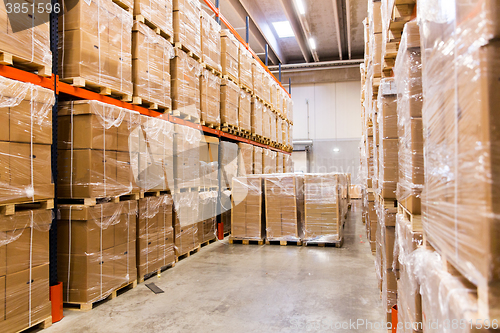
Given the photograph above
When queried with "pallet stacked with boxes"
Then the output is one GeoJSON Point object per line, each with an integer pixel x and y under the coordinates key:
{"type": "Point", "coordinates": [288, 209]}
{"type": "Point", "coordinates": [26, 203]}
{"type": "Point", "coordinates": [448, 278]}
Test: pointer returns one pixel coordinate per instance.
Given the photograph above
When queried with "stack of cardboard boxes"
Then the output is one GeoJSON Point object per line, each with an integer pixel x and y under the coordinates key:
{"type": "Point", "coordinates": [258, 160]}
{"type": "Point", "coordinates": [157, 13]}
{"type": "Point", "coordinates": [229, 102]}
{"type": "Point", "coordinates": [247, 208]}
{"type": "Point", "coordinates": [207, 216]}
{"type": "Point", "coordinates": [256, 116]}
{"type": "Point", "coordinates": [96, 46]}
{"type": "Point", "coordinates": [230, 55]}
{"type": "Point", "coordinates": [186, 72]}
{"type": "Point", "coordinates": [151, 55]}
{"type": "Point", "coordinates": [245, 68]}
{"type": "Point", "coordinates": [229, 163]}
{"type": "Point", "coordinates": [96, 248]}
{"type": "Point", "coordinates": [25, 176]}
{"type": "Point", "coordinates": [210, 102]}
{"type": "Point", "coordinates": [245, 110]}
{"type": "Point", "coordinates": [245, 159]}
{"type": "Point", "coordinates": [284, 207]}
{"type": "Point", "coordinates": [210, 42]}
{"type": "Point", "coordinates": [209, 162]}
{"type": "Point", "coordinates": [269, 161]}
{"type": "Point", "coordinates": [187, 30]}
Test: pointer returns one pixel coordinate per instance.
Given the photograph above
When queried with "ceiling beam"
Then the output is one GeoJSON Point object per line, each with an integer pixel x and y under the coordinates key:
{"type": "Point", "coordinates": [261, 24]}
{"type": "Point", "coordinates": [294, 18]}
{"type": "Point", "coordinates": [337, 26]}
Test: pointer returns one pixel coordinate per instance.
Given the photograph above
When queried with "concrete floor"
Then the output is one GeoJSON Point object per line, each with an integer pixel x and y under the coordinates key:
{"type": "Point", "coordinates": [251, 288]}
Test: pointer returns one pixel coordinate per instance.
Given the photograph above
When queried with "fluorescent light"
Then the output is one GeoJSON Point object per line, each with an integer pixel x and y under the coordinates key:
{"type": "Point", "coordinates": [300, 7]}
{"type": "Point", "coordinates": [336, 150]}
{"type": "Point", "coordinates": [283, 29]}
{"type": "Point", "coordinates": [312, 43]}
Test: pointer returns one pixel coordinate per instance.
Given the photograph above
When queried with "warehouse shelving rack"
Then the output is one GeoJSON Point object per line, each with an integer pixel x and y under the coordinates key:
{"type": "Point", "coordinates": [61, 88]}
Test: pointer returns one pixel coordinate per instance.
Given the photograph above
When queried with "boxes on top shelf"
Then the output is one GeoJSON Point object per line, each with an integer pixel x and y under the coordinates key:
{"type": "Point", "coordinates": [245, 68]}
{"type": "Point", "coordinates": [156, 13]}
{"type": "Point", "coordinates": [151, 56]}
{"type": "Point", "coordinates": [210, 42]}
{"type": "Point", "coordinates": [258, 79]}
{"type": "Point", "coordinates": [187, 30]}
{"type": "Point", "coordinates": [185, 73]}
{"type": "Point", "coordinates": [95, 47]}
{"type": "Point", "coordinates": [230, 55]}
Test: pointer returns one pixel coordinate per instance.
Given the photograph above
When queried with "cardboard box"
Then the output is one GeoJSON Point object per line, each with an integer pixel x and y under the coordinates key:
{"type": "Point", "coordinates": [229, 102]}
{"type": "Point", "coordinates": [185, 73]}
{"type": "Point", "coordinates": [247, 204]}
{"type": "Point", "coordinates": [158, 12]}
{"type": "Point", "coordinates": [245, 67]}
{"type": "Point", "coordinates": [245, 159]}
{"type": "Point", "coordinates": [210, 41]}
{"type": "Point", "coordinates": [210, 98]}
{"type": "Point", "coordinates": [187, 25]}
{"type": "Point", "coordinates": [230, 55]}
{"type": "Point", "coordinates": [244, 110]}
{"type": "Point", "coordinates": [269, 161]}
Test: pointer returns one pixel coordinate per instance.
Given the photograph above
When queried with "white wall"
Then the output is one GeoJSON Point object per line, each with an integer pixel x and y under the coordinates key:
{"type": "Point", "coordinates": [334, 110]}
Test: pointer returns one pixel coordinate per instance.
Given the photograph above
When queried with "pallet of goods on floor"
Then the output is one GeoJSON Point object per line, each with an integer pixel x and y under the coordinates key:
{"type": "Point", "coordinates": [440, 266]}
{"type": "Point", "coordinates": [289, 209]}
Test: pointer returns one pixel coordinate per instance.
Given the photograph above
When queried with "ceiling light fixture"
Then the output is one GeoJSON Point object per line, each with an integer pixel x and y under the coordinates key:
{"type": "Point", "coordinates": [312, 43]}
{"type": "Point", "coordinates": [283, 29]}
{"type": "Point", "coordinates": [336, 150]}
{"type": "Point", "coordinates": [300, 7]}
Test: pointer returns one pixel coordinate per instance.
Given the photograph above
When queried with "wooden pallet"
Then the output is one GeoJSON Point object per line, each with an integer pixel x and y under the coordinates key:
{"type": "Point", "coordinates": [101, 89]}
{"type": "Point", "coordinates": [227, 233]}
{"type": "Point", "coordinates": [155, 28]}
{"type": "Point", "coordinates": [187, 254]}
{"type": "Point", "coordinates": [136, 100]}
{"type": "Point", "coordinates": [231, 78]}
{"type": "Point", "coordinates": [337, 244]}
{"type": "Point", "coordinates": [209, 124]}
{"type": "Point", "coordinates": [190, 53]}
{"type": "Point", "coordinates": [88, 306]}
{"type": "Point", "coordinates": [100, 200]}
{"type": "Point", "coordinates": [152, 193]}
{"type": "Point", "coordinates": [26, 64]}
{"type": "Point", "coordinates": [39, 325]}
{"type": "Point", "coordinates": [210, 68]}
{"type": "Point", "coordinates": [156, 273]}
{"type": "Point", "coordinates": [124, 6]}
{"type": "Point", "coordinates": [415, 220]}
{"type": "Point", "coordinates": [235, 240]}
{"type": "Point", "coordinates": [246, 88]}
{"type": "Point", "coordinates": [402, 12]}
{"type": "Point", "coordinates": [283, 242]}
{"type": "Point", "coordinates": [213, 240]}
{"type": "Point", "coordinates": [12, 208]}
{"type": "Point", "coordinates": [185, 116]}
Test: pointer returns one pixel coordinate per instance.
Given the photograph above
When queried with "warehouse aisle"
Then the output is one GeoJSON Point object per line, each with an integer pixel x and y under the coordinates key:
{"type": "Point", "coordinates": [228, 288]}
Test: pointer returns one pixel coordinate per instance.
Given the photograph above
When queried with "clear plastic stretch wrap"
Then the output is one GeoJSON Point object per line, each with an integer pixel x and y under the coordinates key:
{"type": "Point", "coordinates": [287, 163]}
{"type": "Point", "coordinates": [269, 161]}
{"type": "Point", "coordinates": [151, 55]}
{"type": "Point", "coordinates": [266, 122]}
{"type": "Point", "coordinates": [210, 42]}
{"type": "Point", "coordinates": [461, 137]}
{"type": "Point", "coordinates": [209, 162]}
{"type": "Point", "coordinates": [257, 160]}
{"type": "Point", "coordinates": [155, 235]}
{"type": "Point", "coordinates": [207, 228]}
{"type": "Point", "coordinates": [229, 102]}
{"type": "Point", "coordinates": [375, 17]}
{"type": "Point", "coordinates": [322, 219]}
{"type": "Point", "coordinates": [408, 73]}
{"type": "Point", "coordinates": [187, 216]}
{"type": "Point", "coordinates": [247, 204]}
{"type": "Point", "coordinates": [284, 132]}
{"type": "Point", "coordinates": [245, 110]}
{"type": "Point", "coordinates": [225, 203]}
{"type": "Point", "coordinates": [210, 97]}
{"type": "Point", "coordinates": [187, 24]}
{"type": "Point", "coordinates": [273, 125]}
{"type": "Point", "coordinates": [258, 80]}
{"type": "Point", "coordinates": [245, 159]}
{"type": "Point", "coordinates": [25, 139]}
{"type": "Point", "coordinates": [268, 88]}
{"type": "Point", "coordinates": [409, 299]}
{"type": "Point", "coordinates": [26, 38]}
{"type": "Point", "coordinates": [257, 121]}
{"type": "Point", "coordinates": [376, 56]}
{"type": "Point", "coordinates": [245, 67]}
{"type": "Point", "coordinates": [104, 151]}
{"type": "Point", "coordinates": [279, 162]}
{"type": "Point", "coordinates": [290, 135]}
{"type": "Point", "coordinates": [279, 129]}
{"type": "Point", "coordinates": [230, 55]}
{"type": "Point", "coordinates": [186, 73]}
{"type": "Point", "coordinates": [95, 45]}
{"type": "Point", "coordinates": [24, 254]}
{"type": "Point", "coordinates": [387, 138]}
{"type": "Point", "coordinates": [187, 156]}
{"type": "Point", "coordinates": [273, 92]}
{"type": "Point", "coordinates": [449, 302]}
{"type": "Point", "coordinates": [229, 163]}
{"type": "Point", "coordinates": [284, 205]}
{"type": "Point", "coordinates": [279, 100]}
{"type": "Point", "coordinates": [96, 249]}
{"type": "Point", "coordinates": [156, 12]}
